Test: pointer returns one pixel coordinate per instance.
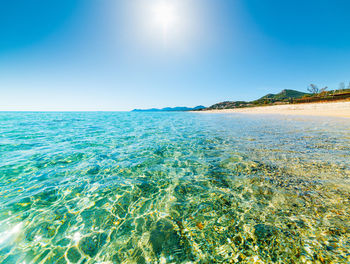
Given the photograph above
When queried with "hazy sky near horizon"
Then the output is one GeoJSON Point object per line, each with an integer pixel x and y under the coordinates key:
{"type": "Point", "coordinates": [125, 54]}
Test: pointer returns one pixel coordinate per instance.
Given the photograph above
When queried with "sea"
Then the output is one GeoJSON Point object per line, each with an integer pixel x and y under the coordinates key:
{"type": "Point", "coordinates": [173, 187]}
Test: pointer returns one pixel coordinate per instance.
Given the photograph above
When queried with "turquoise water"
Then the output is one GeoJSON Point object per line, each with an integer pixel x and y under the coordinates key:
{"type": "Point", "coordinates": [173, 188]}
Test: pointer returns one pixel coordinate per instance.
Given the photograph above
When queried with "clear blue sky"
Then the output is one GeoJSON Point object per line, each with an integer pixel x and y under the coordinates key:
{"type": "Point", "coordinates": [125, 54]}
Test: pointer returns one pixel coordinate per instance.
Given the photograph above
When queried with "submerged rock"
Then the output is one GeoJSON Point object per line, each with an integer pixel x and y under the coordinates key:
{"type": "Point", "coordinates": [63, 242]}
{"type": "Point", "coordinates": [94, 170]}
{"type": "Point", "coordinates": [56, 257]}
{"type": "Point", "coordinates": [44, 229]}
{"type": "Point", "coordinates": [147, 188]}
{"type": "Point", "coordinates": [137, 255]}
{"type": "Point", "coordinates": [165, 240]}
{"type": "Point", "coordinates": [91, 245]}
{"type": "Point", "coordinates": [97, 217]}
{"type": "Point", "coordinates": [265, 232]}
{"type": "Point", "coordinates": [73, 255]}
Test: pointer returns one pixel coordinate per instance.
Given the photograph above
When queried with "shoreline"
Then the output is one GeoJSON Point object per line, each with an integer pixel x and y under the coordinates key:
{"type": "Point", "coordinates": [329, 109]}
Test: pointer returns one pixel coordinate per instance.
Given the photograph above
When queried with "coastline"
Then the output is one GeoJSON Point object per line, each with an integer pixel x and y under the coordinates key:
{"type": "Point", "coordinates": [330, 109]}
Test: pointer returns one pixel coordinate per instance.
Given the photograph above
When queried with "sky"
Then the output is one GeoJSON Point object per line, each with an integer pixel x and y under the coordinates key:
{"type": "Point", "coordinates": [117, 55]}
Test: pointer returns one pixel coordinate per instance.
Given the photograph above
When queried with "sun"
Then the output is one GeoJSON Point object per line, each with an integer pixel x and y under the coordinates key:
{"type": "Point", "coordinates": [165, 14]}
{"type": "Point", "coordinates": [166, 17]}
{"type": "Point", "coordinates": [165, 27]}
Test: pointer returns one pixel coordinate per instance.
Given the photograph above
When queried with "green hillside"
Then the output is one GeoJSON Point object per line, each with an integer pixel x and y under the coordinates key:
{"type": "Point", "coordinates": [229, 105]}
{"type": "Point", "coordinates": [284, 95]}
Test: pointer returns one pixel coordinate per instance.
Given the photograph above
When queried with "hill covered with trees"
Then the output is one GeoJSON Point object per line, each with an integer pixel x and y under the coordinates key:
{"type": "Point", "coordinates": [284, 96]}
{"type": "Point", "coordinates": [288, 96]}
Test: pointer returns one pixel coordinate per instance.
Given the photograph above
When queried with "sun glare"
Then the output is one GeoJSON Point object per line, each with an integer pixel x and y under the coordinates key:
{"type": "Point", "coordinates": [166, 17]}
{"type": "Point", "coordinates": [162, 26]}
{"type": "Point", "coordinates": [165, 14]}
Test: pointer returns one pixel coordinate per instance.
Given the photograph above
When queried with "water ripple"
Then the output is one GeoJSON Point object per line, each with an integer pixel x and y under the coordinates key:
{"type": "Point", "coordinates": [173, 188]}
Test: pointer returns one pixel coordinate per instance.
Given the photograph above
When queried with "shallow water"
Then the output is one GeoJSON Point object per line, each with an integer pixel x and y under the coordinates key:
{"type": "Point", "coordinates": [173, 188]}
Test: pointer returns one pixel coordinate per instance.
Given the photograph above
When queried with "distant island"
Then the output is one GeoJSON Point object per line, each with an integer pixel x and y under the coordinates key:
{"type": "Point", "coordinates": [171, 109]}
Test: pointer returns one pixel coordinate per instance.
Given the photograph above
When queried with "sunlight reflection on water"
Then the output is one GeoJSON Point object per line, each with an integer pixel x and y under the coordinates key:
{"type": "Point", "coordinates": [173, 188]}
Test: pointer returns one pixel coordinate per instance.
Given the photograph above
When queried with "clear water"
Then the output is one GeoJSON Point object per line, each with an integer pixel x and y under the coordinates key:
{"type": "Point", "coordinates": [173, 188]}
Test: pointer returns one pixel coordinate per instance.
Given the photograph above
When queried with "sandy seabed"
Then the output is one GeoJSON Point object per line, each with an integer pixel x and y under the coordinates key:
{"type": "Point", "coordinates": [335, 109]}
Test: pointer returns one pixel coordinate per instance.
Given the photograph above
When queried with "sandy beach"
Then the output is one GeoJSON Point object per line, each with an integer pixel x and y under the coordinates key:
{"type": "Point", "coordinates": [335, 109]}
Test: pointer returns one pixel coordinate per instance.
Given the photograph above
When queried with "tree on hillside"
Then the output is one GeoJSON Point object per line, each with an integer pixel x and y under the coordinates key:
{"type": "Point", "coordinates": [313, 89]}
{"type": "Point", "coordinates": [323, 89]}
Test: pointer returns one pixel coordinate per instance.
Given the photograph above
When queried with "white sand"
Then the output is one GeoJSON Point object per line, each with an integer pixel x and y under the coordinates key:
{"type": "Point", "coordinates": [336, 109]}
